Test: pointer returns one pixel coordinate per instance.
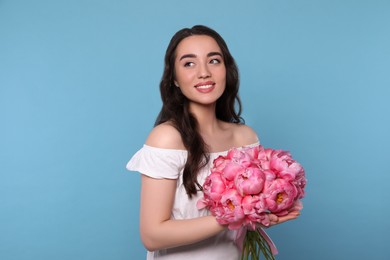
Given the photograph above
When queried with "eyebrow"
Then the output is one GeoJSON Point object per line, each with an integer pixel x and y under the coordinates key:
{"type": "Point", "coordinates": [210, 54]}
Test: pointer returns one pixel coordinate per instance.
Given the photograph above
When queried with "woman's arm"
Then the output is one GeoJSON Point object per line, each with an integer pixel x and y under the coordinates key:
{"type": "Point", "coordinates": [158, 231]}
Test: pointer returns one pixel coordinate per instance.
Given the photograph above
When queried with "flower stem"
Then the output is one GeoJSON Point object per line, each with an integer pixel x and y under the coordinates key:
{"type": "Point", "coordinates": [254, 246]}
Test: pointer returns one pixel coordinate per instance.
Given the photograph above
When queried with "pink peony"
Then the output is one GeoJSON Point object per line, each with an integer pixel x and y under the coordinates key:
{"type": "Point", "coordinates": [214, 186]}
{"type": "Point", "coordinates": [280, 163]}
{"type": "Point", "coordinates": [248, 184]}
{"type": "Point", "coordinates": [250, 181]}
{"type": "Point", "coordinates": [300, 183]}
{"type": "Point", "coordinates": [264, 157]}
{"type": "Point", "coordinates": [232, 169]}
{"type": "Point", "coordinates": [241, 157]}
{"type": "Point", "coordinates": [253, 152]}
{"type": "Point", "coordinates": [280, 196]}
{"type": "Point", "coordinates": [255, 211]}
{"type": "Point", "coordinates": [220, 163]}
{"type": "Point", "coordinates": [230, 211]}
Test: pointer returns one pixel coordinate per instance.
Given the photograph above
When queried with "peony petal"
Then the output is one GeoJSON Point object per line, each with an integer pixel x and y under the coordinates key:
{"type": "Point", "coordinates": [201, 203]}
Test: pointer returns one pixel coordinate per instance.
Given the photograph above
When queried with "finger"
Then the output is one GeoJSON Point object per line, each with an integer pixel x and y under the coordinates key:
{"type": "Point", "coordinates": [288, 217]}
{"type": "Point", "coordinates": [273, 218]}
{"type": "Point", "coordinates": [294, 213]}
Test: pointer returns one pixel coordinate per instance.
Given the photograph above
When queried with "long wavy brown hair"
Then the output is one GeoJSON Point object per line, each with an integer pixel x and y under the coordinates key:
{"type": "Point", "coordinates": [175, 108]}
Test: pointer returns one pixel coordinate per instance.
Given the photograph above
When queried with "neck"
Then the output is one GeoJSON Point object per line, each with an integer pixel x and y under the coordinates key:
{"type": "Point", "coordinates": [206, 117]}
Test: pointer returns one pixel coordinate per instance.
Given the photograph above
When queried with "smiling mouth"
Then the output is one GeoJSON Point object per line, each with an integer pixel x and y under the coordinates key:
{"type": "Point", "coordinates": [205, 86]}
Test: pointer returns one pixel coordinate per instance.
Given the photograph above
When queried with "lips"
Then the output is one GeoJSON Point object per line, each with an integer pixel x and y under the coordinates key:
{"type": "Point", "coordinates": [205, 87]}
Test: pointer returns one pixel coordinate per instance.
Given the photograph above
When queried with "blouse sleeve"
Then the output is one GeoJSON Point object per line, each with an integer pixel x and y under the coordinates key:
{"type": "Point", "coordinates": [158, 163]}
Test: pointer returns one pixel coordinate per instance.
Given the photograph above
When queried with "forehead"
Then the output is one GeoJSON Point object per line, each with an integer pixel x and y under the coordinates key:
{"type": "Point", "coordinates": [198, 45]}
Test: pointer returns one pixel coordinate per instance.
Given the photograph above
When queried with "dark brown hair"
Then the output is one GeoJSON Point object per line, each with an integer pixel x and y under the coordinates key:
{"type": "Point", "coordinates": [175, 107]}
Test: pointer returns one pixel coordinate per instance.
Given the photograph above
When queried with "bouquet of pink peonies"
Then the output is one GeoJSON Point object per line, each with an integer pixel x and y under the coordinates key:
{"type": "Point", "coordinates": [245, 186]}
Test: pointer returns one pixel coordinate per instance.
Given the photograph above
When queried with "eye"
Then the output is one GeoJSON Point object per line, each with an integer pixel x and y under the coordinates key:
{"type": "Point", "coordinates": [188, 64]}
{"type": "Point", "coordinates": [215, 61]}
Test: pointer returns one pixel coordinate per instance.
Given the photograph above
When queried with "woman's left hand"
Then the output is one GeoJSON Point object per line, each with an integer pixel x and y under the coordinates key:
{"type": "Point", "coordinates": [293, 214]}
{"type": "Point", "coordinates": [277, 220]}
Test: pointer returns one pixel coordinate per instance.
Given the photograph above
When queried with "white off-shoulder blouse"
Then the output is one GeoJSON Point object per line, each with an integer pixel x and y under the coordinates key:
{"type": "Point", "coordinates": [162, 163]}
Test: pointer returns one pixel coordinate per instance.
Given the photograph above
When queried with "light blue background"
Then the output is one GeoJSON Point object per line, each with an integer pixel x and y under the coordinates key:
{"type": "Point", "coordinates": [79, 94]}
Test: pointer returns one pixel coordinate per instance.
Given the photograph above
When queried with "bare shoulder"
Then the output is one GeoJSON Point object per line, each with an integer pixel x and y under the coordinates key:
{"type": "Point", "coordinates": [165, 136]}
{"type": "Point", "coordinates": [245, 135]}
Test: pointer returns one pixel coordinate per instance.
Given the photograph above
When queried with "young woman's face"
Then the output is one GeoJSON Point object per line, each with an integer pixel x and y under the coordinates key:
{"type": "Point", "coordinates": [199, 69]}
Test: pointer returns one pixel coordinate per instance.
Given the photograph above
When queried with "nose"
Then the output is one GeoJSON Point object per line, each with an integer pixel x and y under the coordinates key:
{"type": "Point", "coordinates": [204, 71]}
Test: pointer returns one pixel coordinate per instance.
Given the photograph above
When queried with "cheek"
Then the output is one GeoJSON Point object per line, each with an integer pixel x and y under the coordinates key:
{"type": "Point", "coordinates": [183, 77]}
{"type": "Point", "coordinates": [223, 77]}
{"type": "Point", "coordinates": [224, 73]}
{"type": "Point", "coordinates": [221, 72]}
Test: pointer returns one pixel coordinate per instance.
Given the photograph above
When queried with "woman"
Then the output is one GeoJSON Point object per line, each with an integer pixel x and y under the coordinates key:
{"type": "Point", "coordinates": [197, 123]}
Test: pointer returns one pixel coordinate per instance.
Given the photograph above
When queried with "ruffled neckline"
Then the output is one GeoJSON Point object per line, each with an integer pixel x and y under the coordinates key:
{"type": "Point", "coordinates": [169, 150]}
